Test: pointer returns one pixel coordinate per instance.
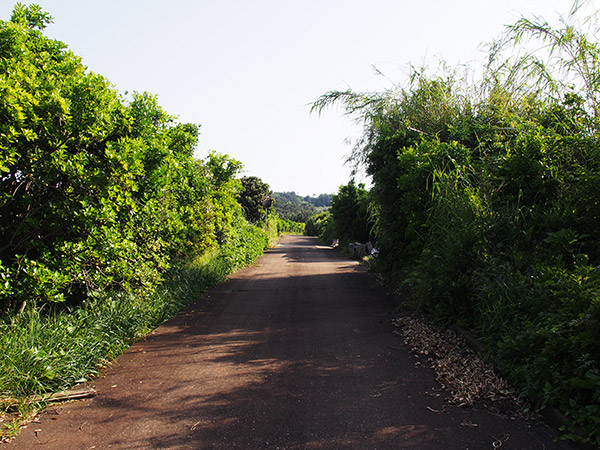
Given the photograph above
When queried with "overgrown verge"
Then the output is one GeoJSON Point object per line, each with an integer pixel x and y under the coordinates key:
{"type": "Point", "coordinates": [286, 226]}
{"type": "Point", "coordinates": [109, 223]}
{"type": "Point", "coordinates": [52, 349]}
{"type": "Point", "coordinates": [486, 206]}
{"type": "Point", "coordinates": [348, 220]}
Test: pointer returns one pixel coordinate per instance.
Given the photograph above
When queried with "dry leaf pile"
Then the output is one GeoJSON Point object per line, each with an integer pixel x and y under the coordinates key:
{"type": "Point", "coordinates": [458, 369]}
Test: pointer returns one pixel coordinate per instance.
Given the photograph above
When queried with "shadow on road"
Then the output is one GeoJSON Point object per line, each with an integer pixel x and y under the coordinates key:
{"type": "Point", "coordinates": [294, 352]}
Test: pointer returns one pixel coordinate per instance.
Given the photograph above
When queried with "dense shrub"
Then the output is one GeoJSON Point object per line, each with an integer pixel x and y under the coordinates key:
{"type": "Point", "coordinates": [321, 225]}
{"type": "Point", "coordinates": [285, 226]}
{"type": "Point", "coordinates": [96, 194]}
{"type": "Point", "coordinates": [109, 223]}
{"type": "Point", "coordinates": [47, 352]}
{"type": "Point", "coordinates": [487, 209]}
{"type": "Point", "coordinates": [352, 220]}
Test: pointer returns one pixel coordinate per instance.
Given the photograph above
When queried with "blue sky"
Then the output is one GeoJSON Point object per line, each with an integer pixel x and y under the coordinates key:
{"type": "Point", "coordinates": [248, 70]}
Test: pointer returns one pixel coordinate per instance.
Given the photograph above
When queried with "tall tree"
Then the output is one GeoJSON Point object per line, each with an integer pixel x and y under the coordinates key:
{"type": "Point", "coordinates": [350, 213]}
{"type": "Point", "coordinates": [254, 190]}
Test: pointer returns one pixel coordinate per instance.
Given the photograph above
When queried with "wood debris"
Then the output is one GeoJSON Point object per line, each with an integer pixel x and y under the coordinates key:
{"type": "Point", "coordinates": [65, 395]}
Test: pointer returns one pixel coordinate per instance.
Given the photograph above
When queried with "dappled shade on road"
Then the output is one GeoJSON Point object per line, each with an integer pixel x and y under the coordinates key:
{"type": "Point", "coordinates": [296, 351]}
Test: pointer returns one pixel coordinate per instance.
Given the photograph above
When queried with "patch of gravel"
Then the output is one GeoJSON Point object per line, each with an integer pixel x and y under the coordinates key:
{"type": "Point", "coordinates": [460, 371]}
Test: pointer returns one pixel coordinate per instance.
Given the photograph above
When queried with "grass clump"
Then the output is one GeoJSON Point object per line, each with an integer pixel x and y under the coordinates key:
{"type": "Point", "coordinates": [53, 348]}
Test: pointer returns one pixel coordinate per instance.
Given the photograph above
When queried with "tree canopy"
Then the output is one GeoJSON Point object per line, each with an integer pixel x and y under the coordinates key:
{"type": "Point", "coordinates": [254, 191]}
{"type": "Point", "coordinates": [294, 207]}
{"type": "Point", "coordinates": [96, 193]}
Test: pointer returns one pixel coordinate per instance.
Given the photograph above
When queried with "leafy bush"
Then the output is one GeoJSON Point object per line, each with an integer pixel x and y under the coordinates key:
{"type": "Point", "coordinates": [348, 220]}
{"type": "Point", "coordinates": [352, 221]}
{"type": "Point", "coordinates": [321, 225]}
{"type": "Point", "coordinates": [110, 223]}
{"type": "Point", "coordinates": [96, 194]}
{"type": "Point", "coordinates": [285, 226]}
{"type": "Point", "coordinates": [486, 207]}
{"type": "Point", "coordinates": [46, 351]}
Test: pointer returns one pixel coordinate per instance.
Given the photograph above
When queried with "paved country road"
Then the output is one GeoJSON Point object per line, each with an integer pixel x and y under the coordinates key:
{"type": "Point", "coordinates": [295, 352]}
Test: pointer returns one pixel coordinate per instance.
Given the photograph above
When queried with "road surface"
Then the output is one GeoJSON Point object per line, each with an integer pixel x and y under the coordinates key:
{"type": "Point", "coordinates": [294, 352]}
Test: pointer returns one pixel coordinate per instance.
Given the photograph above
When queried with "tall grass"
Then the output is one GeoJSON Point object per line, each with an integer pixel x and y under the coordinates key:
{"type": "Point", "coordinates": [487, 206]}
{"type": "Point", "coordinates": [52, 348]}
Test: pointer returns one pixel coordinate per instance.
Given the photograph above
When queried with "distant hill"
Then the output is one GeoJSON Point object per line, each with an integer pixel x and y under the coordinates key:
{"type": "Point", "coordinates": [290, 205]}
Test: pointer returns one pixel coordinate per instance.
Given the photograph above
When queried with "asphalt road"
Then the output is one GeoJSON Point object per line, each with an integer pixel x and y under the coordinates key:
{"type": "Point", "coordinates": [296, 352]}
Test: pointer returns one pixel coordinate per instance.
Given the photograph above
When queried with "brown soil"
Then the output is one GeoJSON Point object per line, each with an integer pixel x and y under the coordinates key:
{"type": "Point", "coordinates": [296, 352]}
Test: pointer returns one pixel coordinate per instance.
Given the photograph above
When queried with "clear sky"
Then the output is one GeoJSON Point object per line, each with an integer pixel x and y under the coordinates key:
{"type": "Point", "coordinates": [247, 70]}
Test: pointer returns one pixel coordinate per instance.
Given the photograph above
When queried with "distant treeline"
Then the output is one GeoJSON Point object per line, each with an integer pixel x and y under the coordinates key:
{"type": "Point", "coordinates": [291, 206]}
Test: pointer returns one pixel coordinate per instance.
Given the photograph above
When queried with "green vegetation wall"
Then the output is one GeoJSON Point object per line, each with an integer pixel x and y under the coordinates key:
{"type": "Point", "coordinates": [109, 224]}
{"type": "Point", "coordinates": [352, 220]}
{"type": "Point", "coordinates": [321, 225]}
{"type": "Point", "coordinates": [488, 211]}
{"type": "Point", "coordinates": [96, 193]}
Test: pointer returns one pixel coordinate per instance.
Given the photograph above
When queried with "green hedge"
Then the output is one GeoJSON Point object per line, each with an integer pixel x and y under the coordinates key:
{"type": "Point", "coordinates": [487, 211]}
{"type": "Point", "coordinates": [110, 224]}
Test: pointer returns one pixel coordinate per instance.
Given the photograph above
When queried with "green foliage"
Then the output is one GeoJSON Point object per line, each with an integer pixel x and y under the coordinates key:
{"type": "Point", "coordinates": [243, 244]}
{"type": "Point", "coordinates": [293, 207]}
{"type": "Point", "coordinates": [252, 196]}
{"type": "Point", "coordinates": [60, 170]}
{"type": "Point", "coordinates": [320, 201]}
{"type": "Point", "coordinates": [47, 352]}
{"type": "Point", "coordinates": [486, 205]}
{"type": "Point", "coordinates": [350, 214]}
{"type": "Point", "coordinates": [285, 226]}
{"type": "Point", "coordinates": [348, 220]}
{"type": "Point", "coordinates": [321, 225]}
{"type": "Point", "coordinates": [30, 16]}
{"type": "Point", "coordinates": [96, 194]}
{"type": "Point", "coordinates": [109, 223]}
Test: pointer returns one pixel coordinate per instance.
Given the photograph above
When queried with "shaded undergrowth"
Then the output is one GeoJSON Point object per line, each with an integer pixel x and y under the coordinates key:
{"type": "Point", "coordinates": [54, 348]}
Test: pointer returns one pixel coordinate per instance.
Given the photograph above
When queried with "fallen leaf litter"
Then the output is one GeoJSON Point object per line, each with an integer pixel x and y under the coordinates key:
{"type": "Point", "coordinates": [464, 375]}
